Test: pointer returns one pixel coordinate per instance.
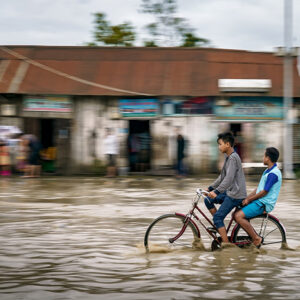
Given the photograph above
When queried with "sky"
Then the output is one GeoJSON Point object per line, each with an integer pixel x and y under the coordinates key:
{"type": "Point", "coordinates": [255, 25]}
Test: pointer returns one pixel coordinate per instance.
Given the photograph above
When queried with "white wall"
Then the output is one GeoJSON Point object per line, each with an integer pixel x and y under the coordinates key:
{"type": "Point", "coordinates": [199, 133]}
{"type": "Point", "coordinates": [94, 114]}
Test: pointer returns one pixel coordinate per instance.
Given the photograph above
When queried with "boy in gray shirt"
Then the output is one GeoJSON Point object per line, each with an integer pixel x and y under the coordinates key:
{"type": "Point", "coordinates": [229, 189]}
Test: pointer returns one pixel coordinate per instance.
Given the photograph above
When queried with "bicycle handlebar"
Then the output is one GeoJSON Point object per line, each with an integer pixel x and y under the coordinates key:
{"type": "Point", "coordinates": [201, 191]}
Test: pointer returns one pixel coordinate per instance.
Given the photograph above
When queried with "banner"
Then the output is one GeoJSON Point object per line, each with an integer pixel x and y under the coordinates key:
{"type": "Point", "coordinates": [249, 108]}
{"type": "Point", "coordinates": [139, 107]}
{"type": "Point", "coordinates": [47, 103]}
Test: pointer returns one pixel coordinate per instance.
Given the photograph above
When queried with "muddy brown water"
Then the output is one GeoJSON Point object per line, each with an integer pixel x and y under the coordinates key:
{"type": "Point", "coordinates": [82, 238]}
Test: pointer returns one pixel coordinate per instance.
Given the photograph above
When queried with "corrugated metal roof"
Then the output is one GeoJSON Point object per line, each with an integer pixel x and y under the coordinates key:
{"type": "Point", "coordinates": [133, 71]}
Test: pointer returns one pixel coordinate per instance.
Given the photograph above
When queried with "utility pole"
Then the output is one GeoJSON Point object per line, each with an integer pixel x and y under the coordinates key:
{"type": "Point", "coordinates": [288, 172]}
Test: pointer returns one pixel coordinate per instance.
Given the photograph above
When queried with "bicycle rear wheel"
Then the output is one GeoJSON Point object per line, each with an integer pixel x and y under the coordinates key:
{"type": "Point", "coordinates": [161, 230]}
{"type": "Point", "coordinates": [273, 232]}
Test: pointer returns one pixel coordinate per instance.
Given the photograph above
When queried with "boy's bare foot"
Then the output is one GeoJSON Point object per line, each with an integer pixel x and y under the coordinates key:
{"type": "Point", "coordinates": [258, 241]}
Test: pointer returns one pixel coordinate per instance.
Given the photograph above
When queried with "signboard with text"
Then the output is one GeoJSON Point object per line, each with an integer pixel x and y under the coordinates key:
{"type": "Point", "coordinates": [139, 107]}
{"type": "Point", "coordinates": [47, 104]}
{"type": "Point", "coordinates": [251, 108]}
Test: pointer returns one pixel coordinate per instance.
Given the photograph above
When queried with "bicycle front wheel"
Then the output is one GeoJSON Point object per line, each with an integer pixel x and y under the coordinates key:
{"type": "Point", "coordinates": [161, 232]}
{"type": "Point", "coordinates": [266, 226]}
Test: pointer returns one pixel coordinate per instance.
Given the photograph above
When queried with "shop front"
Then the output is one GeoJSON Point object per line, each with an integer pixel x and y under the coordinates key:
{"type": "Point", "coordinates": [49, 119]}
{"type": "Point", "coordinates": [139, 113]}
{"type": "Point", "coordinates": [191, 118]}
{"type": "Point", "coordinates": [256, 123]}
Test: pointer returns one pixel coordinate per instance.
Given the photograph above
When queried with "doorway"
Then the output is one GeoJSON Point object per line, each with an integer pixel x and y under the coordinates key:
{"type": "Point", "coordinates": [236, 129]}
{"type": "Point", "coordinates": [47, 132]}
{"type": "Point", "coordinates": [139, 145]}
{"type": "Point", "coordinates": [55, 138]}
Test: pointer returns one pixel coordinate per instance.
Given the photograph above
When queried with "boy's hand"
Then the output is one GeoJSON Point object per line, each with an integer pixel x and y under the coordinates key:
{"type": "Point", "coordinates": [212, 195]}
{"type": "Point", "coordinates": [245, 202]}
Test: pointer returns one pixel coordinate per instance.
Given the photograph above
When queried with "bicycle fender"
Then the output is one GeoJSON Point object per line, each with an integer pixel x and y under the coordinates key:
{"type": "Point", "coordinates": [270, 216]}
{"type": "Point", "coordinates": [195, 225]}
{"type": "Point", "coordinates": [233, 231]}
{"type": "Point", "coordinates": [273, 217]}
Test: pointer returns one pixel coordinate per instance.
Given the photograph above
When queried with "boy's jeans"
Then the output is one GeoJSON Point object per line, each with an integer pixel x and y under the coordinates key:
{"type": "Point", "coordinates": [227, 204]}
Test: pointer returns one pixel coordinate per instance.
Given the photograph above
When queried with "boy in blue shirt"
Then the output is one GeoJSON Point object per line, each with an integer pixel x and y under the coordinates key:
{"type": "Point", "coordinates": [263, 198]}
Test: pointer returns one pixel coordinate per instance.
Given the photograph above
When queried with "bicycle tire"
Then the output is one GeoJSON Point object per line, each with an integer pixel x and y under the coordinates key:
{"type": "Point", "coordinates": [165, 227]}
{"type": "Point", "coordinates": [274, 235]}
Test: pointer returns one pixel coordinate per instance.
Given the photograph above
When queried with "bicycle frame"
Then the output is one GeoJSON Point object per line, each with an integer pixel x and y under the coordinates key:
{"type": "Point", "coordinates": [189, 218]}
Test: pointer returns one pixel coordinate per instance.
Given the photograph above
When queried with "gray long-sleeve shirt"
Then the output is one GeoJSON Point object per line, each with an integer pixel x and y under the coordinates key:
{"type": "Point", "coordinates": [232, 178]}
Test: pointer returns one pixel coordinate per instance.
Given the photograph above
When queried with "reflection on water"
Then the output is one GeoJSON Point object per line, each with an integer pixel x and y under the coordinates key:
{"type": "Point", "coordinates": [75, 238]}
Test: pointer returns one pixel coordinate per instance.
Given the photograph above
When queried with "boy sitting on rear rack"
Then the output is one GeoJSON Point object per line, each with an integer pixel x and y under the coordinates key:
{"type": "Point", "coordinates": [263, 198]}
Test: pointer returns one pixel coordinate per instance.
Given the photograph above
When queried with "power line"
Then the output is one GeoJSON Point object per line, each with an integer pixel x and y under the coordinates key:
{"type": "Point", "coordinates": [75, 78]}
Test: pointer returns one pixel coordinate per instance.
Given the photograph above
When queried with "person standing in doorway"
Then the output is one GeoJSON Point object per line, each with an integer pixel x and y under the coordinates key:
{"type": "Point", "coordinates": [4, 159]}
{"type": "Point", "coordinates": [180, 153]}
{"type": "Point", "coordinates": [33, 168]}
{"type": "Point", "coordinates": [111, 151]}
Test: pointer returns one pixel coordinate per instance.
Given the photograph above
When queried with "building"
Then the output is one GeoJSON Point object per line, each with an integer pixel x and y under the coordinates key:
{"type": "Point", "coordinates": [67, 96]}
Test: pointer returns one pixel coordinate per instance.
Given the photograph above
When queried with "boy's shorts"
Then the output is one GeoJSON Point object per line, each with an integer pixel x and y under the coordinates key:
{"type": "Point", "coordinates": [253, 209]}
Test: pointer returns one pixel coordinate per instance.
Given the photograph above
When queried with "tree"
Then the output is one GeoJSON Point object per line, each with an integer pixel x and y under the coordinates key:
{"type": "Point", "coordinates": [190, 40]}
{"type": "Point", "coordinates": [116, 35]}
{"type": "Point", "coordinates": [168, 29]}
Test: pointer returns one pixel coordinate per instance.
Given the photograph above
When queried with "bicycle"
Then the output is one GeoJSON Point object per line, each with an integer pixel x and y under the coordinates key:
{"type": "Point", "coordinates": [179, 230]}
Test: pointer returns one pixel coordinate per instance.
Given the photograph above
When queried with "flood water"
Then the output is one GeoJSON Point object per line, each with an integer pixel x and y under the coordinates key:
{"type": "Point", "coordinates": [82, 238]}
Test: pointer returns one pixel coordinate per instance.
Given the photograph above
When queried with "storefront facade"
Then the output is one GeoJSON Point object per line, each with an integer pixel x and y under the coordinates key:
{"type": "Point", "coordinates": [147, 95]}
{"type": "Point", "coordinates": [257, 123]}
{"type": "Point", "coordinates": [47, 117]}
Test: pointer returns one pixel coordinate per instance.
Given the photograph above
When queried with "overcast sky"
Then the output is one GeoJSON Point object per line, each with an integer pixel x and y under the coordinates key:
{"type": "Point", "coordinates": [234, 24]}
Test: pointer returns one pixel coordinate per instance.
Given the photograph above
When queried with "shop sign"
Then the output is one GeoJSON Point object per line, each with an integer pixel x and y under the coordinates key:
{"type": "Point", "coordinates": [48, 104]}
{"type": "Point", "coordinates": [249, 108]}
{"type": "Point", "coordinates": [138, 107]}
{"type": "Point", "coordinates": [244, 85]}
{"type": "Point", "coordinates": [192, 106]}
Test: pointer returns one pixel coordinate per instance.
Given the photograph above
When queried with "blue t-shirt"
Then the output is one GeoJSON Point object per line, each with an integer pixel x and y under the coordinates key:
{"type": "Point", "coordinates": [271, 180]}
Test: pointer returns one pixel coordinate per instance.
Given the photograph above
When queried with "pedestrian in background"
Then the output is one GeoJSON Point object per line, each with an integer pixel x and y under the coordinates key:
{"type": "Point", "coordinates": [22, 155]}
{"type": "Point", "coordinates": [4, 159]}
{"type": "Point", "coordinates": [180, 154]}
{"type": "Point", "coordinates": [33, 168]}
{"type": "Point", "coordinates": [133, 146]}
{"type": "Point", "coordinates": [111, 151]}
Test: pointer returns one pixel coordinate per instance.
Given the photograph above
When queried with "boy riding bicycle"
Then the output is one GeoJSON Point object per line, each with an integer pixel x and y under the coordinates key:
{"type": "Point", "coordinates": [229, 189]}
{"type": "Point", "coordinates": [263, 198]}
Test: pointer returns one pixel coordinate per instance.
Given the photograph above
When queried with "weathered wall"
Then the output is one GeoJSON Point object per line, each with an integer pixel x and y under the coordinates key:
{"type": "Point", "coordinates": [92, 115]}
{"type": "Point", "coordinates": [95, 114]}
{"type": "Point", "coordinates": [199, 133]}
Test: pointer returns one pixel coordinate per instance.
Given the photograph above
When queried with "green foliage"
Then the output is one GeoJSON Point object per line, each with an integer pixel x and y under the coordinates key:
{"type": "Point", "coordinates": [190, 40]}
{"type": "Point", "coordinates": [168, 29]}
{"type": "Point", "coordinates": [150, 44]}
{"type": "Point", "coordinates": [116, 35]}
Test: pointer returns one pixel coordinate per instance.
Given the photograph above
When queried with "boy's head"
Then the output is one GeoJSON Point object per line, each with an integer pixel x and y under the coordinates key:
{"type": "Point", "coordinates": [225, 141]}
{"type": "Point", "coordinates": [271, 155]}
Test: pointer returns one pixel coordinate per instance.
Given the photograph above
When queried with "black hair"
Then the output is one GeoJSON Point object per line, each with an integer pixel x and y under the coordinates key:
{"type": "Point", "coordinates": [272, 153]}
{"type": "Point", "coordinates": [226, 137]}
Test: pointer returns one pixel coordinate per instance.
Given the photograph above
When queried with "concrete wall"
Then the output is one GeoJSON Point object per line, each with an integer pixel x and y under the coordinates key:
{"type": "Point", "coordinates": [199, 133]}
{"type": "Point", "coordinates": [92, 115]}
